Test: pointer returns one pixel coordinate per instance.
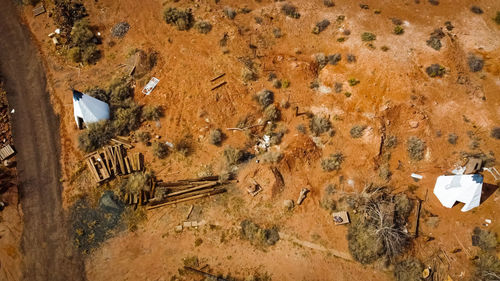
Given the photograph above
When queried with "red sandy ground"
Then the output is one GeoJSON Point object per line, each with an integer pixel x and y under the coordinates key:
{"type": "Point", "coordinates": [394, 90]}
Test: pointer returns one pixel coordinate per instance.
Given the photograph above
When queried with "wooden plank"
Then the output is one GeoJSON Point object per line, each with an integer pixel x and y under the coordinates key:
{"type": "Point", "coordinates": [91, 167]}
{"type": "Point", "coordinates": [120, 141]}
{"type": "Point", "coordinates": [192, 189]}
{"type": "Point", "coordinates": [188, 199]}
{"type": "Point", "coordinates": [138, 161]}
{"type": "Point", "coordinates": [127, 164]}
{"type": "Point", "coordinates": [217, 77]}
{"type": "Point", "coordinates": [120, 160]}
{"type": "Point", "coordinates": [218, 86]}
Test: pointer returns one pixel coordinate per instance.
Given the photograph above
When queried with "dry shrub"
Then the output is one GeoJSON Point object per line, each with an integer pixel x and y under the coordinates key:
{"type": "Point", "coordinates": [416, 148]}
{"type": "Point", "coordinates": [487, 267]}
{"type": "Point", "coordinates": [377, 229]}
{"type": "Point", "coordinates": [183, 20]}
{"type": "Point", "coordinates": [126, 119]}
{"type": "Point", "coordinates": [134, 217]}
{"type": "Point", "coordinates": [160, 149]}
{"type": "Point", "coordinates": [83, 48]}
{"type": "Point", "coordinates": [136, 182]}
{"type": "Point", "coordinates": [332, 162]}
{"type": "Point", "coordinates": [319, 125]}
{"type": "Point", "coordinates": [143, 137]}
{"type": "Point", "coordinates": [452, 138]}
{"type": "Point", "coordinates": [233, 156]}
{"type": "Point", "coordinates": [230, 12]}
{"type": "Point", "coordinates": [484, 239]}
{"type": "Point", "coordinates": [272, 113]}
{"type": "Point", "coordinates": [367, 36]}
{"type": "Point", "coordinates": [391, 141]}
{"type": "Point", "coordinates": [95, 136]}
{"type": "Point", "coordinates": [328, 3]}
{"type": "Point", "coordinates": [216, 137]}
{"type": "Point", "coordinates": [184, 145]}
{"type": "Point", "coordinates": [475, 63]}
{"type": "Point", "coordinates": [257, 235]}
{"type": "Point", "coordinates": [435, 70]}
{"type": "Point", "coordinates": [203, 27]}
{"type": "Point", "coordinates": [408, 270]}
{"type": "Point", "coordinates": [271, 157]}
{"type": "Point", "coordinates": [495, 133]}
{"type": "Point", "coordinates": [265, 98]}
{"type": "Point", "coordinates": [152, 112]}
{"type": "Point", "coordinates": [320, 26]}
{"type": "Point", "coordinates": [357, 131]}
{"type": "Point", "coordinates": [398, 30]}
{"type": "Point", "coordinates": [497, 18]}
{"type": "Point", "coordinates": [290, 11]}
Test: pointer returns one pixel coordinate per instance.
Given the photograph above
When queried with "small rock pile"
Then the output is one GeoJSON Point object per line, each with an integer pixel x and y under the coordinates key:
{"type": "Point", "coordinates": [120, 29]}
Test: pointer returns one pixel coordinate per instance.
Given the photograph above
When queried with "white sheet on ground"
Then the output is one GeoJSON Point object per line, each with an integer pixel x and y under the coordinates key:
{"type": "Point", "coordinates": [462, 188]}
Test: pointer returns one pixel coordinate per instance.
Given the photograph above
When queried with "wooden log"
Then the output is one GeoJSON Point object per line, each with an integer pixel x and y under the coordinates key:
{"type": "Point", "coordinates": [192, 189]}
{"type": "Point", "coordinates": [188, 199]}
{"type": "Point", "coordinates": [205, 274]}
{"type": "Point", "coordinates": [218, 86]}
{"type": "Point", "coordinates": [217, 77]}
{"type": "Point", "coordinates": [189, 194]}
{"type": "Point", "coordinates": [137, 157]}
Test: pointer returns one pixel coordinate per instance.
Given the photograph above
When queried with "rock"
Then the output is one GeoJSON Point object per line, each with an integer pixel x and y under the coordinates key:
{"type": "Point", "coordinates": [288, 204]}
{"type": "Point", "coordinates": [413, 124]}
{"type": "Point", "coordinates": [178, 228]}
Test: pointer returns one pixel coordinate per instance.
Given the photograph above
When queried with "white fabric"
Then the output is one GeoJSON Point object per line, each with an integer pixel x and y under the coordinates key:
{"type": "Point", "coordinates": [89, 109]}
{"type": "Point", "coordinates": [462, 188]}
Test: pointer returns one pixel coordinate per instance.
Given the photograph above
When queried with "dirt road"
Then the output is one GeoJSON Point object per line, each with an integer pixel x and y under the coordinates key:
{"type": "Point", "coordinates": [46, 244]}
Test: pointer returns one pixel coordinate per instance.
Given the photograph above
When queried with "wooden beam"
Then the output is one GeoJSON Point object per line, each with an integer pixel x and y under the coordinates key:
{"type": "Point", "coordinates": [188, 199]}
{"type": "Point", "coordinates": [192, 189]}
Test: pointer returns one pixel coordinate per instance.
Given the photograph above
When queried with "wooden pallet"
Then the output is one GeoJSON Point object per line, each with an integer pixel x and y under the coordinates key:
{"type": "Point", "coordinates": [111, 161]}
{"type": "Point", "coordinates": [6, 152]}
{"type": "Point", "coordinates": [38, 10]}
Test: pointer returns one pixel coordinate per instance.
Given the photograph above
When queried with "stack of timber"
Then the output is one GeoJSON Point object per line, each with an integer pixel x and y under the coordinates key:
{"type": "Point", "coordinates": [113, 161]}
{"type": "Point", "coordinates": [167, 193]}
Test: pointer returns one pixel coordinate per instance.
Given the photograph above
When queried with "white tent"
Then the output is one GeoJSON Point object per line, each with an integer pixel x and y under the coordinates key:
{"type": "Point", "coordinates": [88, 109]}
{"type": "Point", "coordinates": [462, 188]}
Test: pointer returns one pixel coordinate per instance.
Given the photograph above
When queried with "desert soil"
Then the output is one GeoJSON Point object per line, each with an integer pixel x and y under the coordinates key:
{"type": "Point", "coordinates": [48, 253]}
{"type": "Point", "coordinates": [394, 96]}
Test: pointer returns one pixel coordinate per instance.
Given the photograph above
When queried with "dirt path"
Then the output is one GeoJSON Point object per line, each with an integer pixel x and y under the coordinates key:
{"type": "Point", "coordinates": [46, 245]}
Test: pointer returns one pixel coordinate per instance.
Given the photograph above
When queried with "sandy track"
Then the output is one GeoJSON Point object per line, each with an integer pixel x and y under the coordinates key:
{"type": "Point", "coordinates": [46, 244]}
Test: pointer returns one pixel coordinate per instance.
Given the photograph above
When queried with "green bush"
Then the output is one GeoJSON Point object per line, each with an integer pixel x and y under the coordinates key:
{"type": "Point", "coordinates": [290, 11]}
{"type": "Point", "coordinates": [357, 131]}
{"type": "Point", "coordinates": [408, 270]}
{"type": "Point", "coordinates": [95, 136]}
{"type": "Point", "coordinates": [416, 148]}
{"type": "Point", "coordinates": [367, 36]}
{"type": "Point", "coordinates": [183, 20]}
{"type": "Point", "coordinates": [98, 93]}
{"type": "Point", "coordinates": [160, 149]}
{"type": "Point", "coordinates": [151, 112]}
{"type": "Point", "coordinates": [184, 145]}
{"type": "Point", "coordinates": [319, 125]}
{"type": "Point", "coordinates": [332, 162]}
{"type": "Point", "coordinates": [353, 81]}
{"type": "Point", "coordinates": [398, 30]}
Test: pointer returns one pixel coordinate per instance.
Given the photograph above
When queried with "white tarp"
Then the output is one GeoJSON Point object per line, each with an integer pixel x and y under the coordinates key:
{"type": "Point", "coordinates": [88, 109]}
{"type": "Point", "coordinates": [462, 188]}
{"type": "Point", "coordinates": [150, 86]}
